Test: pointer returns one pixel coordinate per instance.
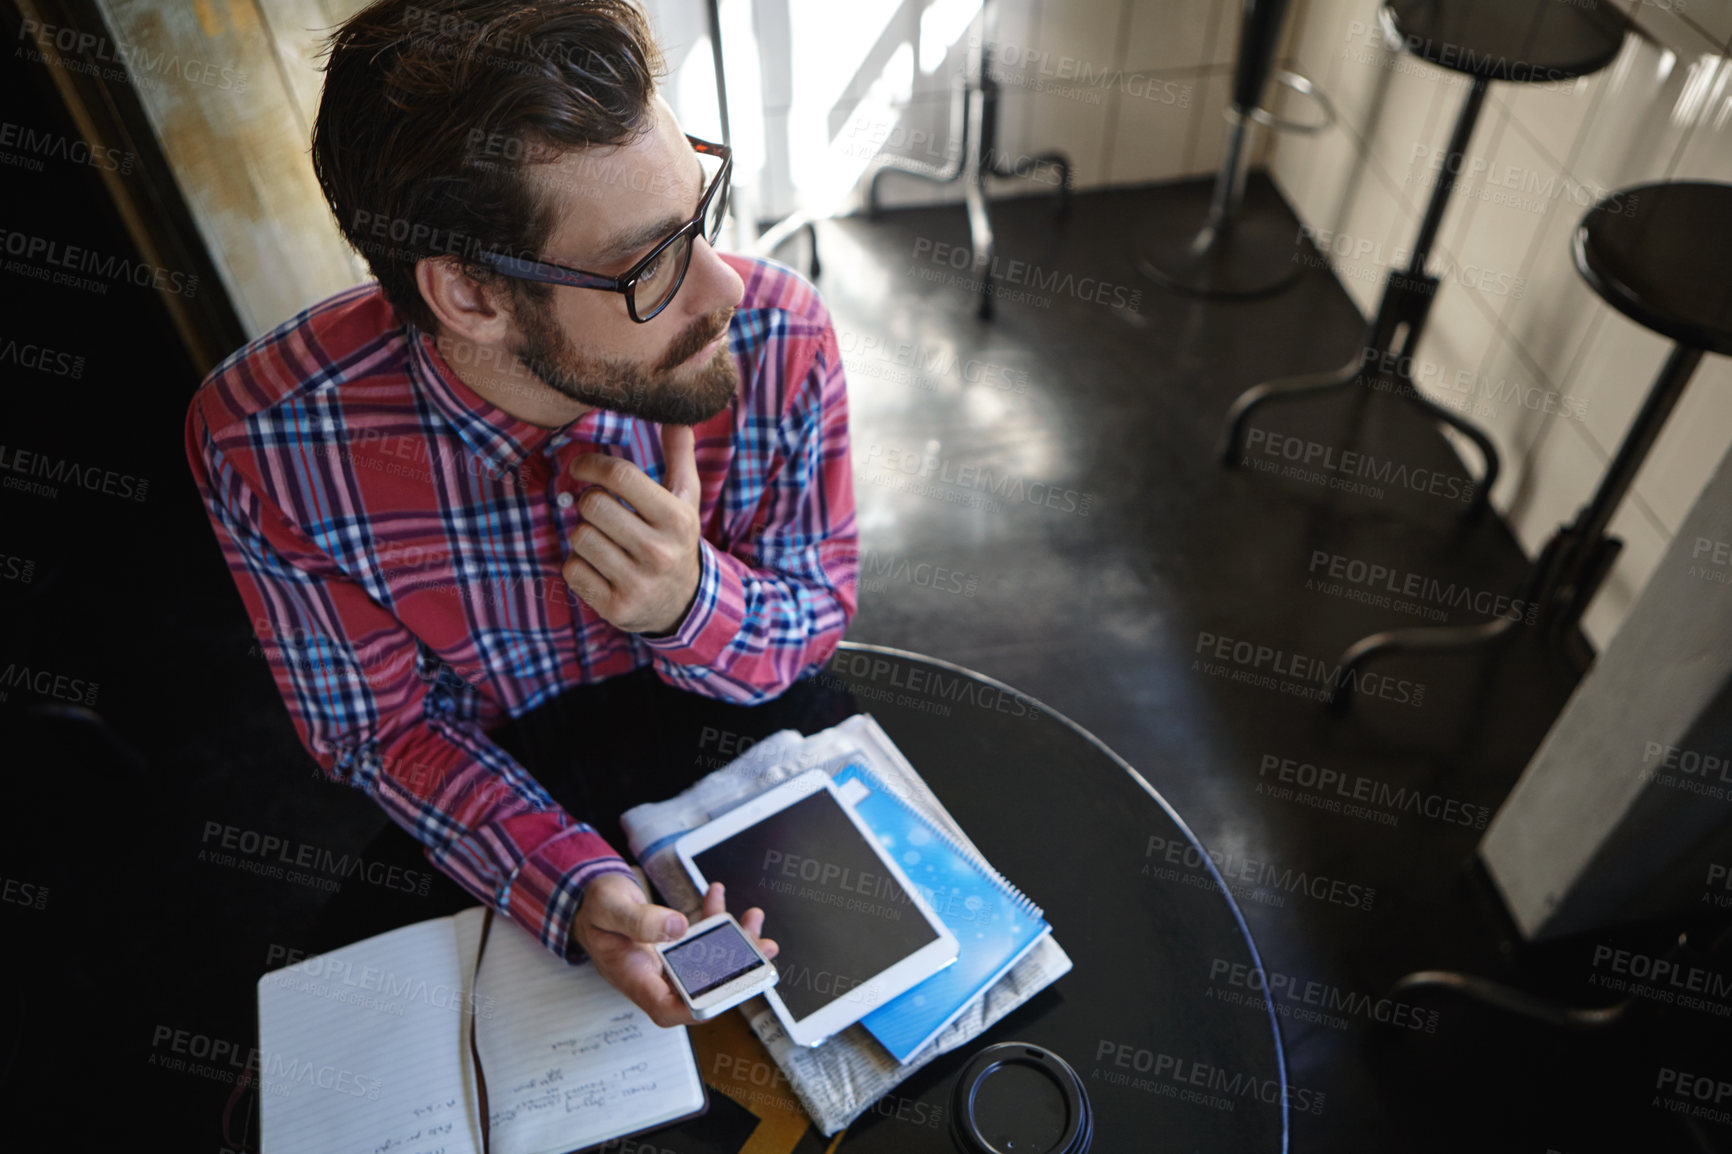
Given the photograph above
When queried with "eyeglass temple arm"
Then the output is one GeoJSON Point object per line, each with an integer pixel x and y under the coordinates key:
{"type": "Point", "coordinates": [549, 273]}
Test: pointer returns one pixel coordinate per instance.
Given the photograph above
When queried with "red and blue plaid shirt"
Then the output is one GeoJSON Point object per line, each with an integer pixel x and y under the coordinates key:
{"type": "Point", "coordinates": [398, 543]}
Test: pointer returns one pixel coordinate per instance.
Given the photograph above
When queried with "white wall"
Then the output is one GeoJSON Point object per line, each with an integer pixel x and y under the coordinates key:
{"type": "Point", "coordinates": [1516, 324]}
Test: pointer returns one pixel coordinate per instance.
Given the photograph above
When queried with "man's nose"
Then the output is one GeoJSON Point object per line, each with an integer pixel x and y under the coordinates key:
{"type": "Point", "coordinates": [717, 285]}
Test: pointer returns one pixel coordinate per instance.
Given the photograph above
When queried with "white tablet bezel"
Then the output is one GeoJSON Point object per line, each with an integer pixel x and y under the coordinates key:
{"type": "Point", "coordinates": [841, 1012]}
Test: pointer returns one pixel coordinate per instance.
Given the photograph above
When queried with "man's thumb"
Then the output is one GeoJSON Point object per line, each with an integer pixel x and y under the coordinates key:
{"type": "Point", "coordinates": [679, 449]}
{"type": "Point", "coordinates": [625, 912]}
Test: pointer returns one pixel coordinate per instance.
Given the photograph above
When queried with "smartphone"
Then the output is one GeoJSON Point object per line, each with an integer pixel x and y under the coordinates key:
{"type": "Point", "coordinates": [716, 966]}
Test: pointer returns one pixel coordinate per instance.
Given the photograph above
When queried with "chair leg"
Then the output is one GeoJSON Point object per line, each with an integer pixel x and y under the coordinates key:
{"type": "Point", "coordinates": [1515, 1001]}
{"type": "Point", "coordinates": [1287, 388]}
{"type": "Point", "coordinates": [949, 173]}
{"type": "Point", "coordinates": [1056, 160]}
{"type": "Point", "coordinates": [1415, 640]}
{"type": "Point", "coordinates": [1487, 451]}
{"type": "Point", "coordinates": [813, 268]}
{"type": "Point", "coordinates": [1537, 594]}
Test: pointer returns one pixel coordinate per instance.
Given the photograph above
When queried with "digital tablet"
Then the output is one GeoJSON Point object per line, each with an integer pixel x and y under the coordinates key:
{"type": "Point", "coordinates": [853, 932]}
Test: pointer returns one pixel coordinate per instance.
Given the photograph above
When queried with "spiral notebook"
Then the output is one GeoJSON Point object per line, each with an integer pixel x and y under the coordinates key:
{"type": "Point", "coordinates": [994, 924]}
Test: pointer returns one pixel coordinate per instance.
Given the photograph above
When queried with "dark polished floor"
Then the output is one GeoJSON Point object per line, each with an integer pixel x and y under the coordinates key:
{"type": "Point", "coordinates": [1039, 500]}
{"type": "Point", "coordinates": [1104, 617]}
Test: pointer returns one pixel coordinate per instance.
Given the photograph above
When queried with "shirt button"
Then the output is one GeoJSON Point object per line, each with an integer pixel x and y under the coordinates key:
{"type": "Point", "coordinates": [564, 500]}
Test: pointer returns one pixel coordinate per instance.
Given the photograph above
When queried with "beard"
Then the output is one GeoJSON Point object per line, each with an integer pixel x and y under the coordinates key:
{"type": "Point", "coordinates": [667, 393]}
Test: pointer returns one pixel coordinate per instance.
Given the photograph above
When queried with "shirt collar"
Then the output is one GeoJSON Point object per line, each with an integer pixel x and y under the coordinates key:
{"type": "Point", "coordinates": [492, 434]}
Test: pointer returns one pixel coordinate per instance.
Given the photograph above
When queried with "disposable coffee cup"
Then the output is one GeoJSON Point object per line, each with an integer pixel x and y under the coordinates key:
{"type": "Point", "coordinates": [1019, 1098]}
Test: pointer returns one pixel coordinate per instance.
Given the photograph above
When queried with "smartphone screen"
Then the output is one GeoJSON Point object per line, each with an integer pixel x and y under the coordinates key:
{"type": "Point", "coordinates": [711, 959]}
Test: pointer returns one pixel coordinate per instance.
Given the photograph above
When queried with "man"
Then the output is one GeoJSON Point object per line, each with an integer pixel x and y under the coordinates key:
{"type": "Point", "coordinates": [561, 439]}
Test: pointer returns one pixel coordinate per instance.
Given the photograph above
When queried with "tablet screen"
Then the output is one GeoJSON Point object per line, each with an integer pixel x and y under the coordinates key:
{"type": "Point", "coordinates": [839, 917]}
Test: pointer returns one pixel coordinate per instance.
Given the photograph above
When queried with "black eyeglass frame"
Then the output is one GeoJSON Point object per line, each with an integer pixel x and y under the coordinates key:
{"type": "Point", "coordinates": [548, 273]}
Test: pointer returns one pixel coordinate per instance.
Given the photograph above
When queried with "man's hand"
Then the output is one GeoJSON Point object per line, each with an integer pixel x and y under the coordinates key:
{"type": "Point", "coordinates": [638, 567]}
{"type": "Point", "coordinates": [614, 925]}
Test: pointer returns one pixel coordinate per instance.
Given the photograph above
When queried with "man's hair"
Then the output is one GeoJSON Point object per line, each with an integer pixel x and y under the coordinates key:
{"type": "Point", "coordinates": [435, 112]}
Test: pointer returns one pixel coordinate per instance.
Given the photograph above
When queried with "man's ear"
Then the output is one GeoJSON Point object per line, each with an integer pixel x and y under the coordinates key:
{"type": "Point", "coordinates": [463, 306]}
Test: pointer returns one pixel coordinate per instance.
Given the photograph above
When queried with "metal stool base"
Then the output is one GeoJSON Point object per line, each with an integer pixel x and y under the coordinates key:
{"type": "Point", "coordinates": [974, 128]}
{"type": "Point", "coordinates": [1253, 255]}
{"type": "Point", "coordinates": [1576, 559]}
{"type": "Point", "coordinates": [1400, 317]}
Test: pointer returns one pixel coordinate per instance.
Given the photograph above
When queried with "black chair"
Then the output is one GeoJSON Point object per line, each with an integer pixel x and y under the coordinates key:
{"type": "Point", "coordinates": [1518, 41]}
{"type": "Point", "coordinates": [974, 114]}
{"type": "Point", "coordinates": [1661, 254]}
{"type": "Point", "coordinates": [1240, 251]}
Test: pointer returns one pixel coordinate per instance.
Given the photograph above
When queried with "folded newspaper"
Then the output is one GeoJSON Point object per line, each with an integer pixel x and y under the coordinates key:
{"type": "Point", "coordinates": [839, 1079]}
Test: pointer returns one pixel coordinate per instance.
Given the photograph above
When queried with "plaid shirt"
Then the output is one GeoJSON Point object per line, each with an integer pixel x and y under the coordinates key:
{"type": "Point", "coordinates": [398, 543]}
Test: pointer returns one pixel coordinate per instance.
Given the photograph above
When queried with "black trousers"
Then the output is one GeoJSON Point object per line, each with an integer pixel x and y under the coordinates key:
{"type": "Point", "coordinates": [598, 750]}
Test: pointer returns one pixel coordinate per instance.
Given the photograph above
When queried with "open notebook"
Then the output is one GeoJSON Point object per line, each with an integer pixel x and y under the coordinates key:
{"type": "Point", "coordinates": [365, 1050]}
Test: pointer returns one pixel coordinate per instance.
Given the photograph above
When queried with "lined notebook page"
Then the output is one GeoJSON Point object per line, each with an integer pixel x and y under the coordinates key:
{"type": "Point", "coordinates": [569, 1061]}
{"type": "Point", "coordinates": [359, 1049]}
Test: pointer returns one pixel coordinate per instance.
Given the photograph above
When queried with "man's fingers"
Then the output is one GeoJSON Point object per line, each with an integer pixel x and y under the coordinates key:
{"type": "Point", "coordinates": [603, 554]}
{"type": "Point", "coordinates": [588, 584]}
{"type": "Point", "coordinates": [625, 481]}
{"type": "Point", "coordinates": [603, 513]}
{"type": "Point", "coordinates": [680, 451]}
{"type": "Point", "coordinates": [752, 921]}
{"type": "Point", "coordinates": [641, 979]}
{"type": "Point", "coordinates": [635, 542]}
{"type": "Point", "coordinates": [715, 901]}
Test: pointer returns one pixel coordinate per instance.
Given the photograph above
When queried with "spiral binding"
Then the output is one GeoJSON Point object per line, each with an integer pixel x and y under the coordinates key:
{"type": "Point", "coordinates": [1017, 897]}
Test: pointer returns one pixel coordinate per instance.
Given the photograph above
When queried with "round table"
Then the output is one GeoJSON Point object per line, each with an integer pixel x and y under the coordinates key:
{"type": "Point", "coordinates": [1163, 1014]}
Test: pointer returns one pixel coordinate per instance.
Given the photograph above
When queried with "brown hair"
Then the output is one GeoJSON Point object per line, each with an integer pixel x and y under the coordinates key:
{"type": "Point", "coordinates": [433, 113]}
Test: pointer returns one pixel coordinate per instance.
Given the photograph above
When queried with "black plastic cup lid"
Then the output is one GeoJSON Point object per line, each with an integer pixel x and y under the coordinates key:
{"type": "Point", "coordinates": [1019, 1098]}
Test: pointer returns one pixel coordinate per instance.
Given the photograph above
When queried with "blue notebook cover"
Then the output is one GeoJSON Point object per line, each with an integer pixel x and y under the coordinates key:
{"type": "Point", "coordinates": [994, 924]}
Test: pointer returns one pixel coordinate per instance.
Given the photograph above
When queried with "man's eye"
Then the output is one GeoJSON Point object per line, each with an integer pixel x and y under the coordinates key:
{"type": "Point", "coordinates": [649, 270]}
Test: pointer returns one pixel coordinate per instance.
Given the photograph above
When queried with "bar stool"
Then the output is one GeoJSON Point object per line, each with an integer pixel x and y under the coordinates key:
{"type": "Point", "coordinates": [974, 113]}
{"type": "Point", "coordinates": [1661, 254]}
{"type": "Point", "coordinates": [1519, 41]}
{"type": "Point", "coordinates": [1238, 252]}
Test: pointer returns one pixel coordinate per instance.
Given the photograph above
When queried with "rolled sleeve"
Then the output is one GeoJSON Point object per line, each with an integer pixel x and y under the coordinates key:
{"type": "Point", "coordinates": [548, 885]}
{"type": "Point", "coordinates": [718, 608]}
{"type": "Point", "coordinates": [775, 597]}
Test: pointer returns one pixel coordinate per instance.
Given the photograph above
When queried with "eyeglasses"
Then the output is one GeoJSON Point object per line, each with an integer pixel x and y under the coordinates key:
{"type": "Point", "coordinates": [652, 282]}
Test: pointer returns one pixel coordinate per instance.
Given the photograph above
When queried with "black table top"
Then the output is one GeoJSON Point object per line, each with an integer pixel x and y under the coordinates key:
{"type": "Point", "coordinates": [1520, 41]}
{"type": "Point", "coordinates": [1661, 254]}
{"type": "Point", "coordinates": [1162, 1015]}
{"type": "Point", "coordinates": [1153, 937]}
